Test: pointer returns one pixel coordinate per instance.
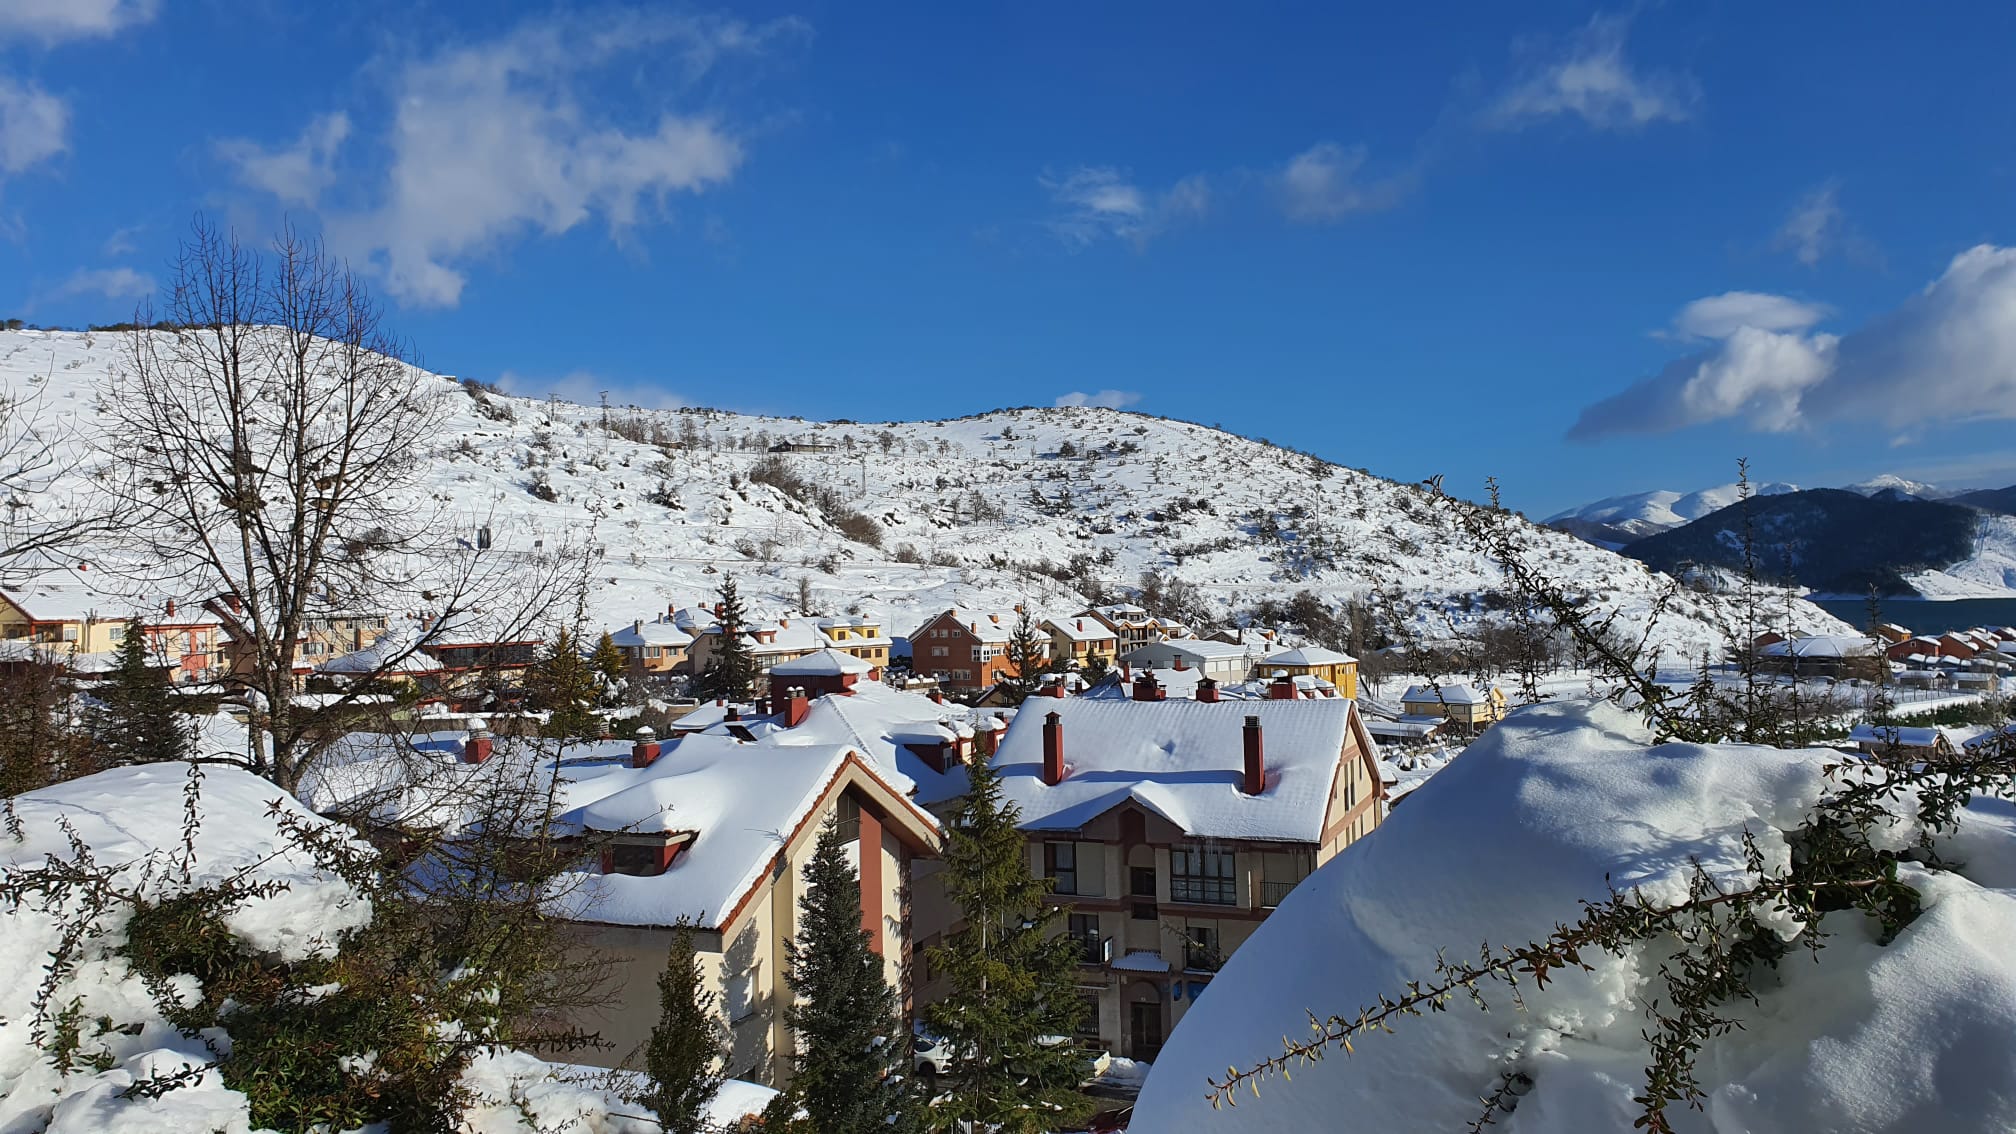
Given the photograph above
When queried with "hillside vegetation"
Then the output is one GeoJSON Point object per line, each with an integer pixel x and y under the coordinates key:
{"type": "Point", "coordinates": [1056, 506]}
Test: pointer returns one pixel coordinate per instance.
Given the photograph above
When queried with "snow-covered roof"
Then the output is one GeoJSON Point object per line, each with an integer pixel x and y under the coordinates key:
{"type": "Point", "coordinates": [1183, 760]}
{"type": "Point", "coordinates": [1308, 655]}
{"type": "Point", "coordinates": [1078, 629]}
{"type": "Point", "coordinates": [1141, 961]}
{"type": "Point", "coordinates": [1900, 735]}
{"type": "Point", "coordinates": [1442, 695]}
{"type": "Point", "coordinates": [1825, 646]}
{"type": "Point", "coordinates": [988, 626]}
{"type": "Point", "coordinates": [1199, 649]}
{"type": "Point", "coordinates": [742, 801]}
{"type": "Point", "coordinates": [393, 644]}
{"type": "Point", "coordinates": [827, 662]}
{"type": "Point", "coordinates": [657, 632]}
{"type": "Point", "coordinates": [878, 721]}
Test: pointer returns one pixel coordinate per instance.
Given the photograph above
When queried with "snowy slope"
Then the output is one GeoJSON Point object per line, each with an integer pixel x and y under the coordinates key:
{"type": "Point", "coordinates": [1643, 513]}
{"type": "Point", "coordinates": [1240, 519]}
{"type": "Point", "coordinates": [1891, 482]}
{"type": "Point", "coordinates": [1555, 805]}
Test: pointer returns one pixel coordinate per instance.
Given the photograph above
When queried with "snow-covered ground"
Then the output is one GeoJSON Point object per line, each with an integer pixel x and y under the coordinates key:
{"type": "Point", "coordinates": [984, 496]}
{"type": "Point", "coordinates": [133, 818]}
{"type": "Point", "coordinates": [1552, 807]}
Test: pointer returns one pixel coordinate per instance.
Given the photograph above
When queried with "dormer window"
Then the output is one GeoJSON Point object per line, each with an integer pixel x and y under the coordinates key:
{"type": "Point", "coordinates": [644, 855]}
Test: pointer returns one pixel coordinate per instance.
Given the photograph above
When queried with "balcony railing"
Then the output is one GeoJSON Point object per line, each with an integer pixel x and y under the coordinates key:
{"type": "Point", "coordinates": [1204, 891]}
{"type": "Point", "coordinates": [1197, 959]}
{"type": "Point", "coordinates": [1271, 893]}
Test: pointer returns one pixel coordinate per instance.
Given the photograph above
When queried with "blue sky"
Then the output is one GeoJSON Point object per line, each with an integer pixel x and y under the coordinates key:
{"type": "Point", "coordinates": [1590, 250]}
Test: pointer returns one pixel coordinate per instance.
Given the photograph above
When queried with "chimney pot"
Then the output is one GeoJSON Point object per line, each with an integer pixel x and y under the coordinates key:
{"type": "Point", "coordinates": [1256, 760]}
{"type": "Point", "coordinates": [1053, 749]}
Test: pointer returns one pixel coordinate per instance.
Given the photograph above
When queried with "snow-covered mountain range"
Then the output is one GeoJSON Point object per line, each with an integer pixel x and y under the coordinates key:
{"type": "Point", "coordinates": [1621, 519]}
{"type": "Point", "coordinates": [982, 511]}
{"type": "Point", "coordinates": [1980, 565]}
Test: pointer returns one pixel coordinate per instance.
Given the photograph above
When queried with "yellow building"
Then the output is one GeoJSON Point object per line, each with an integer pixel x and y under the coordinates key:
{"type": "Point", "coordinates": [1340, 670]}
{"type": "Point", "coordinates": [1081, 639]}
{"type": "Point", "coordinates": [1460, 705]}
{"type": "Point", "coordinates": [73, 620]}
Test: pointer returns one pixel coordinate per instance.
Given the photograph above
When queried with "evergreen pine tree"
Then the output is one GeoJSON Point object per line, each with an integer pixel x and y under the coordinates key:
{"type": "Point", "coordinates": [852, 1048]}
{"type": "Point", "coordinates": [608, 660]}
{"type": "Point", "coordinates": [136, 720]}
{"type": "Point", "coordinates": [1012, 978]}
{"type": "Point", "coordinates": [732, 672]}
{"type": "Point", "coordinates": [563, 683]}
{"type": "Point", "coordinates": [687, 1047]}
{"type": "Point", "coordinates": [1026, 658]}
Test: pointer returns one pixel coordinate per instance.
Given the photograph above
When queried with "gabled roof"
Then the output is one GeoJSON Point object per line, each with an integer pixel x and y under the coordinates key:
{"type": "Point", "coordinates": [1183, 760]}
{"type": "Point", "coordinates": [657, 632]}
{"type": "Point", "coordinates": [1308, 655]}
{"type": "Point", "coordinates": [826, 662]}
{"type": "Point", "coordinates": [393, 644]}
{"type": "Point", "coordinates": [1442, 695]}
{"type": "Point", "coordinates": [1202, 649]}
{"type": "Point", "coordinates": [1078, 629]}
{"type": "Point", "coordinates": [1899, 735]}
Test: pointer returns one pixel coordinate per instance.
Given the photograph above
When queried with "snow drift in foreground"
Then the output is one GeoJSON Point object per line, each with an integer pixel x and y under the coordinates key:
{"type": "Point", "coordinates": [134, 816]}
{"type": "Point", "coordinates": [1918, 1035]}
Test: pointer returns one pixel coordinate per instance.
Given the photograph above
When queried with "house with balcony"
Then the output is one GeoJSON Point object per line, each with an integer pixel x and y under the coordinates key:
{"type": "Point", "coordinates": [1133, 627]}
{"type": "Point", "coordinates": [1170, 829]}
{"type": "Point", "coordinates": [967, 650]}
{"type": "Point", "coordinates": [69, 620]}
{"type": "Point", "coordinates": [1335, 669]}
{"type": "Point", "coordinates": [861, 637]}
{"type": "Point", "coordinates": [1080, 639]}
{"type": "Point", "coordinates": [658, 646]}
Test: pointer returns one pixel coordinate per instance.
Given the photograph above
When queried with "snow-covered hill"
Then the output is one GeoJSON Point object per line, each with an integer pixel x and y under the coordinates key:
{"type": "Point", "coordinates": [982, 511]}
{"type": "Point", "coordinates": [1644, 513]}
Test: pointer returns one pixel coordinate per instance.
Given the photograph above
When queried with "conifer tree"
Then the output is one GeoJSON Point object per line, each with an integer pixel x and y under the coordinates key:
{"type": "Point", "coordinates": [732, 673]}
{"type": "Point", "coordinates": [608, 660]}
{"type": "Point", "coordinates": [563, 683]}
{"type": "Point", "coordinates": [1026, 657]}
{"type": "Point", "coordinates": [683, 1058]}
{"type": "Point", "coordinates": [1012, 978]}
{"type": "Point", "coordinates": [852, 1051]}
{"type": "Point", "coordinates": [136, 720]}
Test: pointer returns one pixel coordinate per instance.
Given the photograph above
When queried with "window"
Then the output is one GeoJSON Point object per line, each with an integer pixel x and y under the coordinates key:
{"type": "Point", "coordinates": [1088, 1019]}
{"type": "Point", "coordinates": [638, 859]}
{"type": "Point", "coordinates": [1142, 885]}
{"type": "Point", "coordinates": [1060, 864]}
{"type": "Point", "coordinates": [1084, 929]}
{"type": "Point", "coordinates": [1200, 952]}
{"type": "Point", "coordinates": [939, 651]}
{"type": "Point", "coordinates": [1202, 875]}
{"type": "Point", "coordinates": [118, 633]}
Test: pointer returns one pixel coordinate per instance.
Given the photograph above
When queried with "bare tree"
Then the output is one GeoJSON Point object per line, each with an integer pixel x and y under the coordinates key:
{"type": "Point", "coordinates": [268, 438]}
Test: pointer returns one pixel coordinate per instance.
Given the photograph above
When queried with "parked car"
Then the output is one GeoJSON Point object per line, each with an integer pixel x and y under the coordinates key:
{"type": "Point", "coordinates": [930, 1055]}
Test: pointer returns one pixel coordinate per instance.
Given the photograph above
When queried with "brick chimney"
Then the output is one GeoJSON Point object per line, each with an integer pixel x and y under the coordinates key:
{"type": "Point", "coordinates": [734, 713]}
{"type": "Point", "coordinates": [645, 749]}
{"type": "Point", "coordinates": [937, 696]}
{"type": "Point", "coordinates": [1281, 688]}
{"type": "Point", "coordinates": [1207, 690]}
{"type": "Point", "coordinates": [1256, 759]}
{"type": "Point", "coordinates": [236, 604]}
{"type": "Point", "coordinates": [171, 608]}
{"type": "Point", "coordinates": [479, 744]}
{"type": "Point", "coordinates": [1146, 688]}
{"type": "Point", "coordinates": [1179, 666]}
{"type": "Point", "coordinates": [796, 706]}
{"type": "Point", "coordinates": [1053, 749]}
{"type": "Point", "coordinates": [1056, 687]}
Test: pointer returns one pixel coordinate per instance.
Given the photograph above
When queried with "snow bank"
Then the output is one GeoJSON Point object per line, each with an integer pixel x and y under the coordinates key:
{"type": "Point", "coordinates": [1499, 846]}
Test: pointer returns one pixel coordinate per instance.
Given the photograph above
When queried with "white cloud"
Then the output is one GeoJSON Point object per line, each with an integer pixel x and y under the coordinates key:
{"type": "Point", "coordinates": [1815, 227]}
{"type": "Point", "coordinates": [1589, 77]}
{"type": "Point", "coordinates": [1322, 184]}
{"type": "Point", "coordinates": [54, 21]}
{"type": "Point", "coordinates": [1105, 399]}
{"type": "Point", "coordinates": [584, 388]}
{"type": "Point", "coordinates": [491, 141]}
{"type": "Point", "coordinates": [299, 173]}
{"type": "Point", "coordinates": [1947, 354]}
{"type": "Point", "coordinates": [1720, 316]}
{"type": "Point", "coordinates": [112, 283]}
{"type": "Point", "coordinates": [1099, 201]}
{"type": "Point", "coordinates": [34, 126]}
{"type": "Point", "coordinates": [121, 242]}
